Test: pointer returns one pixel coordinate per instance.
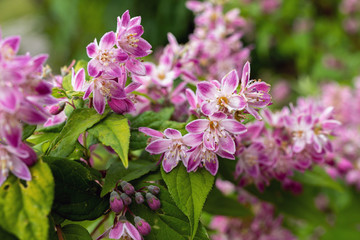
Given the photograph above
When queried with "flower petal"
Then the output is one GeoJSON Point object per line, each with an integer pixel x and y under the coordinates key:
{"type": "Point", "coordinates": [117, 231]}
{"type": "Point", "coordinates": [78, 80]}
{"type": "Point", "coordinates": [132, 231]}
{"type": "Point", "coordinates": [208, 108]}
{"type": "Point", "coordinates": [192, 139]}
{"type": "Point", "coordinates": [91, 50]}
{"type": "Point", "coordinates": [197, 126]}
{"type": "Point", "coordinates": [169, 164]}
{"type": "Point", "coordinates": [229, 82]}
{"type": "Point", "coordinates": [237, 102]}
{"type": "Point", "coordinates": [20, 169]}
{"type": "Point", "coordinates": [245, 76]}
{"type": "Point", "coordinates": [233, 126]}
{"type": "Point", "coordinates": [94, 68]}
{"type": "Point", "coordinates": [207, 90]}
{"type": "Point", "coordinates": [151, 132]}
{"type": "Point", "coordinates": [227, 144]}
{"type": "Point", "coordinates": [107, 41]}
{"type": "Point", "coordinates": [212, 165]}
{"type": "Point", "coordinates": [172, 133]}
{"type": "Point", "coordinates": [99, 101]}
{"type": "Point", "coordinates": [158, 146]}
{"type": "Point", "coordinates": [135, 66]}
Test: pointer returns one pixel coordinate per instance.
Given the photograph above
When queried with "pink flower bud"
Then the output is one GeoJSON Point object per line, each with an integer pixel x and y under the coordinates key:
{"type": "Point", "coordinates": [127, 200]}
{"type": "Point", "coordinates": [56, 109]}
{"type": "Point", "coordinates": [153, 202]}
{"type": "Point", "coordinates": [139, 198]}
{"type": "Point", "coordinates": [154, 189]}
{"type": "Point", "coordinates": [142, 226]}
{"type": "Point", "coordinates": [344, 165]}
{"type": "Point", "coordinates": [127, 188]}
{"type": "Point", "coordinates": [116, 203]}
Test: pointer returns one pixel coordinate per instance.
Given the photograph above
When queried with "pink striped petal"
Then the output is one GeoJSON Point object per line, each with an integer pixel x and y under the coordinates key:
{"type": "Point", "coordinates": [172, 133]}
{"type": "Point", "coordinates": [20, 169]}
{"type": "Point", "coordinates": [107, 41]}
{"type": "Point", "coordinates": [218, 116]}
{"type": "Point", "coordinates": [229, 82]}
{"type": "Point", "coordinates": [233, 126]}
{"type": "Point", "coordinates": [125, 18]}
{"type": "Point", "coordinates": [169, 164]}
{"type": "Point", "coordinates": [227, 144]}
{"type": "Point", "coordinates": [207, 90]}
{"type": "Point", "coordinates": [329, 125]}
{"type": "Point", "coordinates": [88, 91]}
{"type": "Point", "coordinates": [12, 42]}
{"type": "Point", "coordinates": [132, 231]}
{"type": "Point", "coordinates": [245, 76]}
{"type": "Point", "coordinates": [208, 108]}
{"type": "Point", "coordinates": [193, 140]}
{"type": "Point", "coordinates": [190, 95]}
{"type": "Point", "coordinates": [117, 231]}
{"type": "Point", "coordinates": [94, 68]}
{"type": "Point", "coordinates": [237, 102]}
{"type": "Point", "coordinates": [78, 80]}
{"type": "Point", "coordinates": [99, 101]}
{"type": "Point", "coordinates": [136, 67]}
{"type": "Point", "coordinates": [91, 50]}
{"type": "Point", "coordinates": [212, 165]}
{"type": "Point", "coordinates": [158, 146]}
{"type": "Point", "coordinates": [197, 126]}
{"type": "Point", "coordinates": [132, 87]}
{"type": "Point", "coordinates": [209, 142]}
{"type": "Point", "coordinates": [151, 132]}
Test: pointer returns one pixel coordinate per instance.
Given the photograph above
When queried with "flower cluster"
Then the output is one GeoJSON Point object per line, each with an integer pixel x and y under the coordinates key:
{"type": "Point", "coordinates": [120, 200]}
{"type": "Point", "coordinates": [344, 161]}
{"type": "Point", "coordinates": [113, 59]}
{"type": "Point", "coordinates": [222, 107]}
{"type": "Point", "coordinates": [213, 50]}
{"type": "Point", "coordinates": [295, 139]}
{"type": "Point", "coordinates": [263, 225]}
{"type": "Point", "coordinates": [24, 93]}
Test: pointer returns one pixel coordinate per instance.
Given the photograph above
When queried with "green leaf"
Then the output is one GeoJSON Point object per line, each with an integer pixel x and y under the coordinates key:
{"type": "Point", "coordinates": [53, 129]}
{"type": "Point", "coordinates": [114, 131]}
{"type": "Point", "coordinates": [24, 207]}
{"type": "Point", "coordinates": [168, 222]}
{"type": "Point", "coordinates": [189, 191]}
{"type": "Point", "coordinates": [79, 121]}
{"type": "Point", "coordinates": [77, 194]}
{"type": "Point", "coordinates": [28, 131]}
{"type": "Point", "coordinates": [152, 119]}
{"type": "Point", "coordinates": [75, 232]}
{"type": "Point", "coordinates": [219, 204]}
{"type": "Point", "coordinates": [317, 177]}
{"type": "Point", "coordinates": [5, 235]}
{"type": "Point", "coordinates": [117, 171]}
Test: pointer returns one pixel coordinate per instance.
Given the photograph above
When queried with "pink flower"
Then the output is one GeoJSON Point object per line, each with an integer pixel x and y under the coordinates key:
{"type": "Point", "coordinates": [224, 98]}
{"type": "Point", "coordinates": [105, 58]}
{"type": "Point", "coordinates": [123, 229]}
{"type": "Point", "coordinates": [11, 160]}
{"type": "Point", "coordinates": [171, 144]}
{"type": "Point", "coordinates": [102, 90]}
{"type": "Point", "coordinates": [217, 131]}
{"type": "Point", "coordinates": [256, 94]}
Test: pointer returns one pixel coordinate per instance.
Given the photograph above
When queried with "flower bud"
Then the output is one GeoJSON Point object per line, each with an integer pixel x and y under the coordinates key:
{"type": "Point", "coordinates": [56, 109]}
{"type": "Point", "coordinates": [154, 189]}
{"type": "Point", "coordinates": [127, 187]}
{"type": "Point", "coordinates": [142, 226]}
{"type": "Point", "coordinates": [127, 200]}
{"type": "Point", "coordinates": [153, 202]}
{"type": "Point", "coordinates": [139, 198]}
{"type": "Point", "coordinates": [116, 203]}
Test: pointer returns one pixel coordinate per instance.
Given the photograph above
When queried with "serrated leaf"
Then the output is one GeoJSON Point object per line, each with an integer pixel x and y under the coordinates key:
{"type": "Point", "coordinates": [114, 131]}
{"type": "Point", "coordinates": [75, 232]}
{"type": "Point", "coordinates": [219, 204]}
{"type": "Point", "coordinates": [168, 222]}
{"type": "Point", "coordinates": [317, 177]}
{"type": "Point", "coordinates": [79, 121]}
{"type": "Point", "coordinates": [189, 191]}
{"type": "Point", "coordinates": [77, 194]}
{"type": "Point", "coordinates": [117, 171]}
{"type": "Point", "coordinates": [24, 209]}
